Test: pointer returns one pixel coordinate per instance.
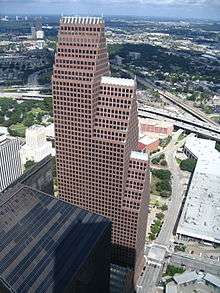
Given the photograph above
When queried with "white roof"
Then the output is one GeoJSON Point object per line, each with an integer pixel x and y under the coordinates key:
{"type": "Point", "coordinates": [201, 213]}
{"type": "Point", "coordinates": [157, 253]}
{"type": "Point", "coordinates": [171, 288]}
{"type": "Point", "coordinates": [200, 147]}
{"type": "Point", "coordinates": [147, 140]}
{"type": "Point", "coordinates": [139, 156]}
{"type": "Point", "coordinates": [185, 277]}
{"type": "Point", "coordinates": [82, 20]}
{"type": "Point", "coordinates": [118, 81]}
{"type": "Point", "coordinates": [212, 279]}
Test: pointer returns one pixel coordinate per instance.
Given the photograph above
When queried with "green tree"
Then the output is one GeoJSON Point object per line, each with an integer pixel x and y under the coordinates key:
{"type": "Point", "coordinates": [217, 146]}
{"type": "Point", "coordinates": [29, 164]}
{"type": "Point", "coordinates": [29, 120]}
{"type": "Point", "coordinates": [164, 207]}
{"type": "Point", "coordinates": [162, 174]}
{"type": "Point", "coordinates": [160, 216]}
{"type": "Point", "coordinates": [188, 165]}
{"type": "Point", "coordinates": [172, 270]}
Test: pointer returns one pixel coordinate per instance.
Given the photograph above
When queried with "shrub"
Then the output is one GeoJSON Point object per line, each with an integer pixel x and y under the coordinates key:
{"type": "Point", "coordinates": [188, 165]}
{"type": "Point", "coordinates": [162, 174]}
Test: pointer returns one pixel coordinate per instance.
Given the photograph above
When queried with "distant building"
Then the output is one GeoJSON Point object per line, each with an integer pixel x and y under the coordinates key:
{"type": "Point", "coordinates": [118, 60]}
{"type": "Point", "coordinates": [40, 35]}
{"type": "Point", "coordinates": [40, 44]}
{"type": "Point", "coordinates": [49, 245]}
{"type": "Point", "coordinates": [135, 55]}
{"type": "Point", "coordinates": [148, 144]}
{"type": "Point", "coordinates": [10, 162]}
{"type": "Point", "coordinates": [157, 126]}
{"type": "Point", "coordinates": [36, 147]}
{"type": "Point", "coordinates": [33, 32]}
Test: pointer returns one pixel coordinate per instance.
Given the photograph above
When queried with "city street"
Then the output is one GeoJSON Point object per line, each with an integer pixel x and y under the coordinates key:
{"type": "Point", "coordinates": [163, 242]}
{"type": "Point", "coordinates": [166, 232]}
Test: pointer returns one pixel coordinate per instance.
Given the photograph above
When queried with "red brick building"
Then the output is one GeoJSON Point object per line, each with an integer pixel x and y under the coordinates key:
{"type": "Point", "coordinates": [148, 144]}
{"type": "Point", "coordinates": [157, 126]}
{"type": "Point", "coordinates": [96, 133]}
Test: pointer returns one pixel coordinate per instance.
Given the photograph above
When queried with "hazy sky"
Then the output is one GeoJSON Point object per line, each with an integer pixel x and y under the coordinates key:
{"type": "Point", "coordinates": [209, 9]}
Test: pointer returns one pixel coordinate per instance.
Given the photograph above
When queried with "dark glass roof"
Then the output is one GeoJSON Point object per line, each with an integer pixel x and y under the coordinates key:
{"type": "Point", "coordinates": [43, 241]}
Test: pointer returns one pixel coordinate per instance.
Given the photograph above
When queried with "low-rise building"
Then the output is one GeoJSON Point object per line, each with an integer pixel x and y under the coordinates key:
{"type": "Point", "coordinates": [148, 144]}
{"type": "Point", "coordinates": [37, 147]}
{"type": "Point", "coordinates": [10, 162]}
{"type": "Point", "coordinates": [155, 126]}
{"type": "Point", "coordinates": [192, 281]}
{"type": "Point", "coordinates": [200, 218]}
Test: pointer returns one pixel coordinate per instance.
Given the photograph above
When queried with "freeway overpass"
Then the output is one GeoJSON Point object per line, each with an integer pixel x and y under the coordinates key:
{"type": "Point", "coordinates": [168, 96]}
{"type": "Point", "coordinates": [24, 96]}
{"type": "Point", "coordinates": [193, 111]}
{"type": "Point", "coordinates": [203, 129]}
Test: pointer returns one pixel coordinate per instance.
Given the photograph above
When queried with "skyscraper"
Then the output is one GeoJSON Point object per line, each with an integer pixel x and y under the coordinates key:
{"type": "Point", "coordinates": [96, 131]}
{"type": "Point", "coordinates": [10, 161]}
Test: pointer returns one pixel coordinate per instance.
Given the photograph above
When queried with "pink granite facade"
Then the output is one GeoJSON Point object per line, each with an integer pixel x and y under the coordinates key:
{"type": "Point", "coordinates": [96, 133]}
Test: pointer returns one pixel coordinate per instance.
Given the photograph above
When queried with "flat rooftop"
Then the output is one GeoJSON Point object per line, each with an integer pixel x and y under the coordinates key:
{"type": "Point", "coordinates": [156, 123]}
{"type": "Point", "coordinates": [200, 217]}
{"type": "Point", "coordinates": [44, 241]}
{"type": "Point", "coordinates": [117, 81]}
{"type": "Point", "coordinates": [139, 156]}
{"type": "Point", "coordinates": [147, 140]}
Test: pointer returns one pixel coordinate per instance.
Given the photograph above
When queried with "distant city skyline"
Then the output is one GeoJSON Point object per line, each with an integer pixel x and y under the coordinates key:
{"type": "Point", "coordinates": [198, 9]}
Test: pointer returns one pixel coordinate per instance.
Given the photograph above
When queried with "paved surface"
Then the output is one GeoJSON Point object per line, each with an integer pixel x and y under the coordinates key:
{"type": "Point", "coordinates": [192, 110]}
{"type": "Point", "coordinates": [24, 95]}
{"type": "Point", "coordinates": [196, 263]}
{"type": "Point", "coordinates": [177, 192]}
{"type": "Point", "coordinates": [174, 99]}
{"type": "Point", "coordinates": [204, 130]}
{"type": "Point", "coordinates": [147, 282]}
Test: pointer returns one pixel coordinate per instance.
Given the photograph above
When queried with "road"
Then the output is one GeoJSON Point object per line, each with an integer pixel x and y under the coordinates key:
{"type": "Point", "coordinates": [192, 110]}
{"type": "Point", "coordinates": [196, 263]}
{"type": "Point", "coordinates": [24, 96]}
{"type": "Point", "coordinates": [208, 131]}
{"type": "Point", "coordinates": [168, 96]}
{"type": "Point", "coordinates": [178, 192]}
{"type": "Point", "coordinates": [147, 282]}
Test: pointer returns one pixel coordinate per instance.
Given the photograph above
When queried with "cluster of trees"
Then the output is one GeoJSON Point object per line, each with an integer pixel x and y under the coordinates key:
{"type": "Point", "coordinates": [155, 229]}
{"type": "Point", "coordinates": [24, 114]}
{"type": "Point", "coordinates": [45, 77]}
{"type": "Point", "coordinates": [172, 270]}
{"type": "Point", "coordinates": [217, 146]}
{"type": "Point", "coordinates": [29, 164]}
{"type": "Point", "coordinates": [180, 247]}
{"type": "Point", "coordinates": [159, 160]}
{"type": "Point", "coordinates": [165, 141]}
{"type": "Point", "coordinates": [163, 184]}
{"type": "Point", "coordinates": [188, 165]}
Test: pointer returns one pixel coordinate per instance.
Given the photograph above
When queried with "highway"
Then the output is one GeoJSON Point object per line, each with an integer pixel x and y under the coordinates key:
{"type": "Point", "coordinates": [180, 118]}
{"type": "Point", "coordinates": [192, 110]}
{"type": "Point", "coordinates": [24, 96]}
{"type": "Point", "coordinates": [168, 96]}
{"type": "Point", "coordinates": [206, 131]}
